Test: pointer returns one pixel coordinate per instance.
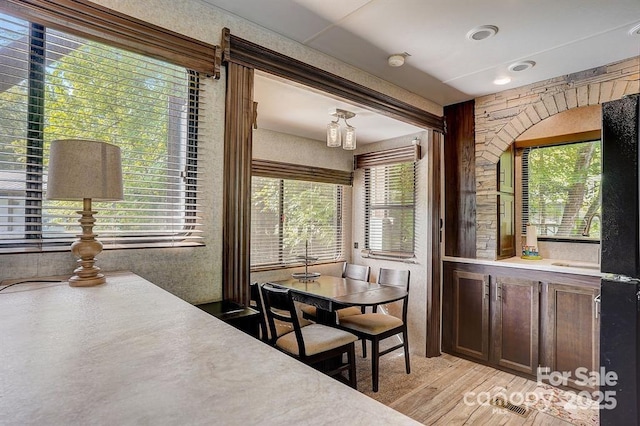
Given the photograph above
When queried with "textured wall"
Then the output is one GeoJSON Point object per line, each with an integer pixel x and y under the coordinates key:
{"type": "Point", "coordinates": [502, 117]}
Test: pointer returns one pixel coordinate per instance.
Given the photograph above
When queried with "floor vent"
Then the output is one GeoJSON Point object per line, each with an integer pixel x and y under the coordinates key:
{"type": "Point", "coordinates": [517, 409]}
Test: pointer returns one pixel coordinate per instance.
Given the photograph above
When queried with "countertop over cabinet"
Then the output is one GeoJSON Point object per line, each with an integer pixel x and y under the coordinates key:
{"type": "Point", "coordinates": [128, 352]}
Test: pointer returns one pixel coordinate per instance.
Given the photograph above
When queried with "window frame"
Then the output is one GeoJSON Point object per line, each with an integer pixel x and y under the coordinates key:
{"type": "Point", "coordinates": [405, 206]}
{"type": "Point", "coordinates": [282, 263]}
{"type": "Point", "coordinates": [35, 171]}
{"type": "Point", "coordinates": [522, 151]}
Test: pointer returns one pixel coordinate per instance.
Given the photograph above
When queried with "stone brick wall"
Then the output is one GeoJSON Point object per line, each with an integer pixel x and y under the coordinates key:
{"type": "Point", "coordinates": [501, 117]}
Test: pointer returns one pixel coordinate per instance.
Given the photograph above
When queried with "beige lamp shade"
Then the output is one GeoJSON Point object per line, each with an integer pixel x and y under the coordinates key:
{"type": "Point", "coordinates": [80, 169]}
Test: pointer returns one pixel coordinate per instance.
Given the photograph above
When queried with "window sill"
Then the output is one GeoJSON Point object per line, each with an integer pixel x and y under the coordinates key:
{"type": "Point", "coordinates": [390, 256]}
{"type": "Point", "coordinates": [66, 248]}
{"type": "Point", "coordinates": [300, 265]}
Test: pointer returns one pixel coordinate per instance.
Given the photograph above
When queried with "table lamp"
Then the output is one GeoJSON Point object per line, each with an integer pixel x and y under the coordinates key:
{"type": "Point", "coordinates": [85, 170]}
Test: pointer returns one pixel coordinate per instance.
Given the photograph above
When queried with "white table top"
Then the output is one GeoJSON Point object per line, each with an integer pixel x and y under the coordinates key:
{"type": "Point", "coordinates": [128, 352]}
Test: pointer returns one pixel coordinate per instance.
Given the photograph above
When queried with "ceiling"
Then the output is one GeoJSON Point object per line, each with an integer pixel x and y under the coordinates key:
{"type": "Point", "coordinates": [297, 110]}
{"type": "Point", "coordinates": [445, 66]}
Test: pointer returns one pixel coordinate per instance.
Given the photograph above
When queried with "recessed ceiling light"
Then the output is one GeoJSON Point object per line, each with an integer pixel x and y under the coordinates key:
{"type": "Point", "coordinates": [521, 66]}
{"type": "Point", "coordinates": [482, 32]}
{"type": "Point", "coordinates": [635, 30]}
{"type": "Point", "coordinates": [501, 81]}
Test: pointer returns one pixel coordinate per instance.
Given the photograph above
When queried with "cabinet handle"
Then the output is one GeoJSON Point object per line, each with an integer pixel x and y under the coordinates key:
{"type": "Point", "coordinates": [596, 305]}
{"type": "Point", "coordinates": [498, 291]}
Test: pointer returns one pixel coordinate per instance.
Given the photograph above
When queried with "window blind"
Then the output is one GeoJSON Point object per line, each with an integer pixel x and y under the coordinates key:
{"type": "Point", "coordinates": [268, 168]}
{"type": "Point", "coordinates": [56, 85]}
{"type": "Point", "coordinates": [291, 217]}
{"type": "Point", "coordinates": [390, 208]}
{"type": "Point", "coordinates": [561, 190]}
{"type": "Point", "coordinates": [387, 156]}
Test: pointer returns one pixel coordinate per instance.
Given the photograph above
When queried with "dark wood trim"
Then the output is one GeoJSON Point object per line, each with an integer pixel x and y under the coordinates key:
{"type": "Point", "coordinates": [434, 294]}
{"type": "Point", "coordinates": [86, 19]}
{"type": "Point", "coordinates": [236, 232]}
{"type": "Point", "coordinates": [275, 169]}
{"type": "Point", "coordinates": [460, 181]}
{"type": "Point", "coordinates": [252, 55]}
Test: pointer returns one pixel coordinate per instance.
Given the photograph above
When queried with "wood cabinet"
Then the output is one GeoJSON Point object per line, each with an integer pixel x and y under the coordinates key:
{"type": "Point", "coordinates": [502, 317]}
{"type": "Point", "coordinates": [470, 315]}
{"type": "Point", "coordinates": [515, 324]}
{"type": "Point", "coordinates": [571, 330]}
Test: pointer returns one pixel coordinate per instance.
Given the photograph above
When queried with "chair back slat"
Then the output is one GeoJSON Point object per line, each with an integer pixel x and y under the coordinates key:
{"type": "Point", "coordinates": [399, 278]}
{"type": "Point", "coordinates": [256, 303]}
{"type": "Point", "coordinates": [278, 305]}
{"type": "Point", "coordinates": [356, 272]}
{"type": "Point", "coordinates": [394, 277]}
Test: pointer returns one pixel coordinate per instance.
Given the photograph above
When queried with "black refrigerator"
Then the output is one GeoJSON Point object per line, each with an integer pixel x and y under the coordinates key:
{"type": "Point", "coordinates": [620, 260]}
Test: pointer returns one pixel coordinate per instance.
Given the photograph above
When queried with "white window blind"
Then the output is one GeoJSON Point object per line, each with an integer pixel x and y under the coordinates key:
{"type": "Point", "coordinates": [390, 208]}
{"type": "Point", "coordinates": [561, 190]}
{"type": "Point", "coordinates": [56, 86]}
{"type": "Point", "coordinates": [289, 216]}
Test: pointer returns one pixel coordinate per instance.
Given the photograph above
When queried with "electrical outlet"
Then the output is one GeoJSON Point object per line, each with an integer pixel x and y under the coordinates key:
{"type": "Point", "coordinates": [355, 245]}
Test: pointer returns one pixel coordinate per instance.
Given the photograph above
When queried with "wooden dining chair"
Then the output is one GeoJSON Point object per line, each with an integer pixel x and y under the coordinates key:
{"type": "Point", "coordinates": [281, 327]}
{"type": "Point", "coordinates": [316, 345]}
{"type": "Point", "coordinates": [376, 326]}
{"type": "Point", "coordinates": [349, 270]}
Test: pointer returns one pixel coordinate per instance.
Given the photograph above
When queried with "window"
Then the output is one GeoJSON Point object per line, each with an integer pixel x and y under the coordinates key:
{"type": "Point", "coordinates": [561, 190]}
{"type": "Point", "coordinates": [57, 86]}
{"type": "Point", "coordinates": [390, 208]}
{"type": "Point", "coordinates": [290, 216]}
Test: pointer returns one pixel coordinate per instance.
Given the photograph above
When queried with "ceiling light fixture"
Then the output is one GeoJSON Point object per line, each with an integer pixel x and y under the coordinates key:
{"type": "Point", "coordinates": [482, 32]}
{"type": "Point", "coordinates": [521, 66]}
{"type": "Point", "coordinates": [335, 136]}
{"type": "Point", "coordinates": [397, 59]}
{"type": "Point", "coordinates": [635, 30]}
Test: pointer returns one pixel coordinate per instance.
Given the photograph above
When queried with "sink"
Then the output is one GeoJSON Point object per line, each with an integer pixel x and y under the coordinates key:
{"type": "Point", "coordinates": [577, 265]}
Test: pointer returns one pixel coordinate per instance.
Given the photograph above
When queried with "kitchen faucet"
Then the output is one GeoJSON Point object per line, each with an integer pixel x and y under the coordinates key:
{"type": "Point", "coordinates": [587, 226]}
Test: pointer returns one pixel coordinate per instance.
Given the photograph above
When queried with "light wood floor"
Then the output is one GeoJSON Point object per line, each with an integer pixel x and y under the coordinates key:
{"type": "Point", "coordinates": [434, 393]}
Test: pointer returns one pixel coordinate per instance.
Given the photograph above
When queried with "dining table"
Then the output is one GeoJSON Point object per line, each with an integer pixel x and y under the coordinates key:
{"type": "Point", "coordinates": [329, 293]}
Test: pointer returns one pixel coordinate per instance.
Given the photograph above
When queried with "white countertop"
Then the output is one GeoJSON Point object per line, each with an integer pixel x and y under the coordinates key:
{"type": "Point", "coordinates": [551, 265]}
{"type": "Point", "coordinates": [128, 352]}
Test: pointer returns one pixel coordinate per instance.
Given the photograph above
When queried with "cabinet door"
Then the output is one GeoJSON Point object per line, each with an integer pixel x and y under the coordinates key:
{"type": "Point", "coordinates": [506, 226]}
{"type": "Point", "coordinates": [571, 331]}
{"type": "Point", "coordinates": [515, 324]}
{"type": "Point", "coordinates": [506, 171]}
{"type": "Point", "coordinates": [470, 309]}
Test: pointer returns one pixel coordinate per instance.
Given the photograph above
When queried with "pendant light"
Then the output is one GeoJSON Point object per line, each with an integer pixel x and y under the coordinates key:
{"type": "Point", "coordinates": [335, 137]}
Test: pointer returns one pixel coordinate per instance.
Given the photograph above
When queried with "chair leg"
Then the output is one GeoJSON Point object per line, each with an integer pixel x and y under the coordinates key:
{"type": "Point", "coordinates": [364, 348]}
{"type": "Point", "coordinates": [375, 363]}
{"type": "Point", "coordinates": [351, 359]}
{"type": "Point", "coordinates": [407, 364]}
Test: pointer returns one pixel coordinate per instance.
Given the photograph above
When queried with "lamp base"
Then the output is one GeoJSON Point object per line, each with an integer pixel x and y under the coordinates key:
{"type": "Point", "coordinates": [87, 274]}
{"type": "Point", "coordinates": [76, 281]}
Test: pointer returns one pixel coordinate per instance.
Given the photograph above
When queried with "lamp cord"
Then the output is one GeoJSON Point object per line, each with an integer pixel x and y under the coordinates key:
{"type": "Point", "coordinates": [30, 281]}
